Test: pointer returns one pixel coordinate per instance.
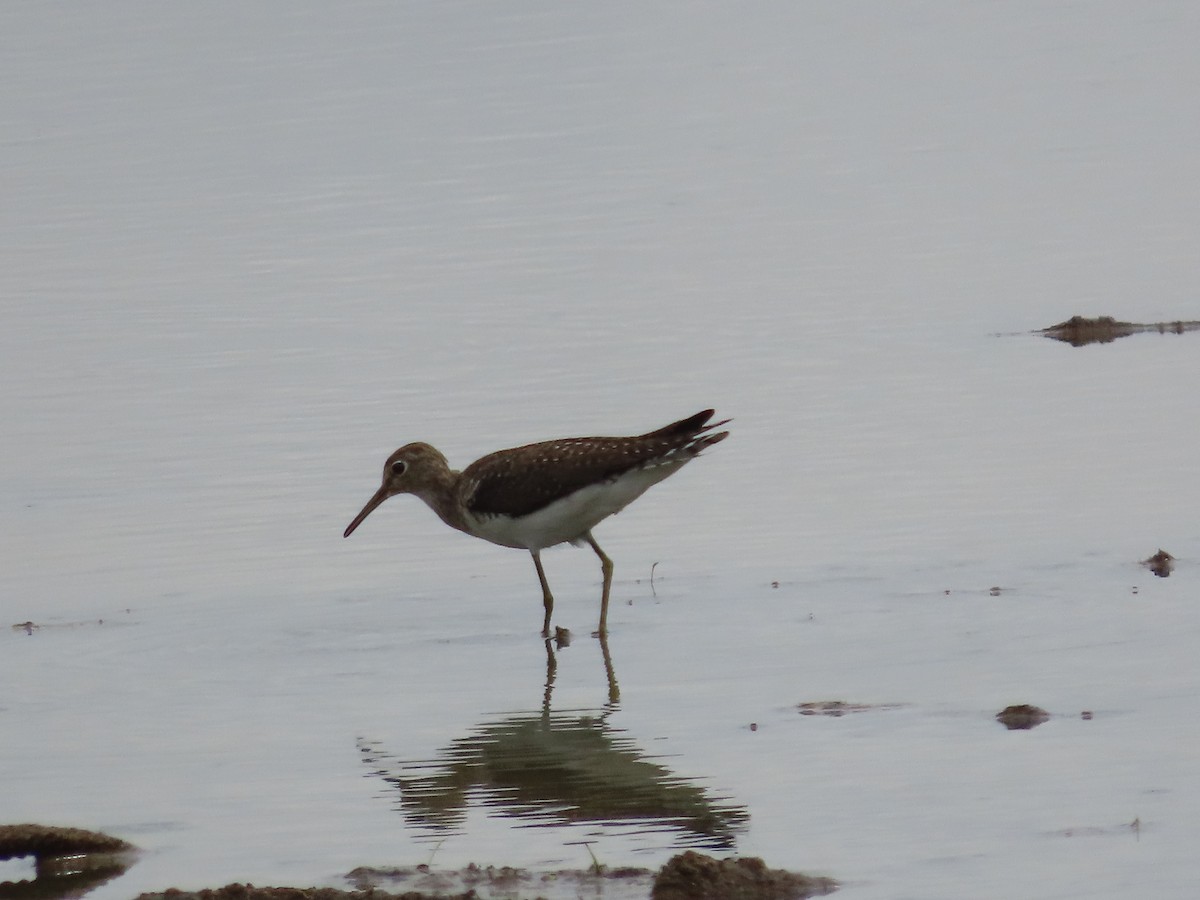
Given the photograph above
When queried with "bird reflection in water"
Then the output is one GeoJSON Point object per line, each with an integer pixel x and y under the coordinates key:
{"type": "Point", "coordinates": [549, 768]}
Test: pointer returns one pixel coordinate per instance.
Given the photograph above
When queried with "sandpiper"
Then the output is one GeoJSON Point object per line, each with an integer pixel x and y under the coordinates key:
{"type": "Point", "coordinates": [552, 492]}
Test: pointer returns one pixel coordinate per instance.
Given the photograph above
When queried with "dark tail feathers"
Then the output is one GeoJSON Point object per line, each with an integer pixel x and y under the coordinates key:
{"type": "Point", "coordinates": [694, 427]}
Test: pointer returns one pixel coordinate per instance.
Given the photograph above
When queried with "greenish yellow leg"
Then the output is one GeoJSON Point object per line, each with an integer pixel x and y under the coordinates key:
{"type": "Point", "coordinates": [547, 597]}
{"type": "Point", "coordinates": [606, 566]}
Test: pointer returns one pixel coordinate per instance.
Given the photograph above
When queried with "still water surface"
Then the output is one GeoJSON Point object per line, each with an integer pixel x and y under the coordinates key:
{"type": "Point", "coordinates": [251, 250]}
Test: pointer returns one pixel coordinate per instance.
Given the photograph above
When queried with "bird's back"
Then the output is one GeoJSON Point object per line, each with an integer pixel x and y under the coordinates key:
{"type": "Point", "coordinates": [526, 479]}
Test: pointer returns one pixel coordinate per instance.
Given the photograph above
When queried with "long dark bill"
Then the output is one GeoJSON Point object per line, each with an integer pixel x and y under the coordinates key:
{"type": "Point", "coordinates": [380, 496]}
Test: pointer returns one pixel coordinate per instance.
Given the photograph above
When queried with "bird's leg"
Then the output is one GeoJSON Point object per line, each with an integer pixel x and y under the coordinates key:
{"type": "Point", "coordinates": [606, 566]}
{"type": "Point", "coordinates": [547, 597]}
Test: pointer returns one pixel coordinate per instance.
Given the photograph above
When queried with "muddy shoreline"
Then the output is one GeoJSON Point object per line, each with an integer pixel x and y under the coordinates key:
{"type": "Point", "coordinates": [71, 862]}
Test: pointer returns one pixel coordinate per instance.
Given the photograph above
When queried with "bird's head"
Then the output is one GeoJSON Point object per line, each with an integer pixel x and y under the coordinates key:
{"type": "Point", "coordinates": [410, 470]}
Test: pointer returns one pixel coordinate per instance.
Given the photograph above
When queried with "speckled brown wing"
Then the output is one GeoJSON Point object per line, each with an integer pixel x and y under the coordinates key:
{"type": "Point", "coordinates": [523, 480]}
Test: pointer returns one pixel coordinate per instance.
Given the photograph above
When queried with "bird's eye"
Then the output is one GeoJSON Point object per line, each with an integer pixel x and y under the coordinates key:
{"type": "Point", "coordinates": [399, 466]}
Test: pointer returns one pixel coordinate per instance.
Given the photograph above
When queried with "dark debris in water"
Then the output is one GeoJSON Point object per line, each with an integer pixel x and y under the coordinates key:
{"type": "Point", "coordinates": [1161, 563]}
{"type": "Point", "coordinates": [1022, 717]}
{"type": "Point", "coordinates": [1134, 828]}
{"type": "Point", "coordinates": [837, 708]}
{"type": "Point", "coordinates": [29, 626]}
{"type": "Point", "coordinates": [1079, 331]}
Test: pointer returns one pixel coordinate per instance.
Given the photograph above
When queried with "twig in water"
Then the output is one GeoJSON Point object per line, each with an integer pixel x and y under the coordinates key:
{"type": "Point", "coordinates": [597, 869]}
{"type": "Point", "coordinates": [433, 852]}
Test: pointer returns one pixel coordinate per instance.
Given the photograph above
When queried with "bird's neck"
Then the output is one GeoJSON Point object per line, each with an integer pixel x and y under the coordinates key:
{"type": "Point", "coordinates": [440, 493]}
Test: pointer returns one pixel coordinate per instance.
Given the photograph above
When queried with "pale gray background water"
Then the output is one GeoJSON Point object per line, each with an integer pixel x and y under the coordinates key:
{"type": "Point", "coordinates": [248, 250]}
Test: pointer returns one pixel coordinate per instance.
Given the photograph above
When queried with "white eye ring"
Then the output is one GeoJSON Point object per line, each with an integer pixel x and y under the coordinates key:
{"type": "Point", "coordinates": [399, 467]}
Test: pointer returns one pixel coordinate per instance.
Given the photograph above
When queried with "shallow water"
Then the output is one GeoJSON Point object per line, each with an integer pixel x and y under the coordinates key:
{"type": "Point", "coordinates": [249, 254]}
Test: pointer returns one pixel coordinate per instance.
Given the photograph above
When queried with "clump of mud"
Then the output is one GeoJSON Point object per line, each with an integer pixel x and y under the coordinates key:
{"type": "Point", "coordinates": [694, 876]}
{"type": "Point", "coordinates": [1078, 331]}
{"type": "Point", "coordinates": [1161, 563]}
{"type": "Point", "coordinates": [44, 841]}
{"type": "Point", "coordinates": [67, 861]}
{"type": "Point", "coordinates": [1022, 717]}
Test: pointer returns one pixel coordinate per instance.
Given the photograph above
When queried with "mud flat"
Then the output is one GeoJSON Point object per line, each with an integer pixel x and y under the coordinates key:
{"type": "Point", "coordinates": [687, 876]}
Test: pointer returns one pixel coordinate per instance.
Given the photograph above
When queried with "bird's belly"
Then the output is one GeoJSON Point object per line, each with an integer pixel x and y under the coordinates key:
{"type": "Point", "coordinates": [568, 518]}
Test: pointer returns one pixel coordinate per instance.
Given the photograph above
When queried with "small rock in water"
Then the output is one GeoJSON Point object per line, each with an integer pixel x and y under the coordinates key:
{"type": "Point", "coordinates": [1022, 717]}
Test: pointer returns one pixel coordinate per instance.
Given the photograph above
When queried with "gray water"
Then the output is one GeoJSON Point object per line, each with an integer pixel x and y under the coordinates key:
{"type": "Point", "coordinates": [250, 250]}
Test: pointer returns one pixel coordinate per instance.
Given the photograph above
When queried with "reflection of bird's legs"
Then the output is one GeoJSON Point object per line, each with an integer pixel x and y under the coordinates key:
{"type": "Point", "coordinates": [614, 692]}
{"type": "Point", "coordinates": [551, 671]}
